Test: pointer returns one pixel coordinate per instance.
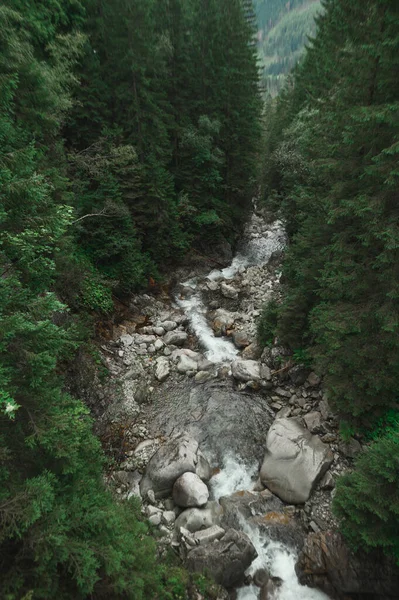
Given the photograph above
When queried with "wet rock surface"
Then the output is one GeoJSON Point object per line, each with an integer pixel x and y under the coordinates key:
{"type": "Point", "coordinates": [189, 368]}
{"type": "Point", "coordinates": [327, 563]}
{"type": "Point", "coordinates": [226, 559]}
{"type": "Point", "coordinates": [294, 462]}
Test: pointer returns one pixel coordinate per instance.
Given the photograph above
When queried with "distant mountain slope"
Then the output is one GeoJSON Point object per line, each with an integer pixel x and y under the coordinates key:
{"type": "Point", "coordinates": [283, 29]}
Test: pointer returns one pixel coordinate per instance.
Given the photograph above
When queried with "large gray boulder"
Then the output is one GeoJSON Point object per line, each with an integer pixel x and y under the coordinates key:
{"type": "Point", "coordinates": [189, 490]}
{"type": "Point", "coordinates": [177, 456]}
{"type": "Point", "coordinates": [196, 519]}
{"type": "Point", "coordinates": [246, 370]}
{"type": "Point", "coordinates": [294, 461]}
{"type": "Point", "coordinates": [226, 560]}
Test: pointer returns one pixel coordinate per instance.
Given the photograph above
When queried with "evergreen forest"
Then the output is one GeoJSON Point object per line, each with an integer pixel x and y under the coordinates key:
{"type": "Point", "coordinates": [133, 133]}
{"type": "Point", "coordinates": [331, 169]}
{"type": "Point", "coordinates": [129, 134]}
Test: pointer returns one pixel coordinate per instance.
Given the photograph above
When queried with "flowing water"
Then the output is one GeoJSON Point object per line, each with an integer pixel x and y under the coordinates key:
{"type": "Point", "coordinates": [279, 560]}
{"type": "Point", "coordinates": [254, 251]}
{"type": "Point", "coordinates": [261, 242]}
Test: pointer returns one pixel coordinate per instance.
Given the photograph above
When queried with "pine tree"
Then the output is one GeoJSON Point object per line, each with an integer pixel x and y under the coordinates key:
{"type": "Point", "coordinates": [336, 171]}
{"type": "Point", "coordinates": [366, 501]}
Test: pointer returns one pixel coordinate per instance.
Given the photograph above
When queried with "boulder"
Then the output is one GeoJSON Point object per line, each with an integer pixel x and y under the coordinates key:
{"type": "Point", "coordinates": [209, 535]}
{"type": "Point", "coordinates": [177, 456]}
{"type": "Point", "coordinates": [229, 291]}
{"type": "Point", "coordinates": [177, 338]}
{"type": "Point", "coordinates": [327, 563]}
{"type": "Point", "coordinates": [126, 339]}
{"type": "Point", "coordinates": [225, 560]}
{"type": "Point", "coordinates": [186, 364]}
{"type": "Point", "coordinates": [252, 352]}
{"type": "Point", "coordinates": [313, 421]}
{"type": "Point", "coordinates": [195, 519]}
{"type": "Point", "coordinates": [267, 513]}
{"type": "Point", "coordinates": [162, 368]}
{"type": "Point", "coordinates": [203, 376]}
{"type": "Point", "coordinates": [203, 468]}
{"type": "Point", "coordinates": [241, 339]}
{"type": "Point", "coordinates": [294, 461]}
{"type": "Point", "coordinates": [189, 490]}
{"type": "Point", "coordinates": [169, 325]}
{"type": "Point", "coordinates": [223, 320]}
{"type": "Point", "coordinates": [246, 370]}
{"type": "Point", "coordinates": [246, 504]}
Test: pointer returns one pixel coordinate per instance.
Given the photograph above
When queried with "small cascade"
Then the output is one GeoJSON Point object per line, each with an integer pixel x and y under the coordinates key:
{"type": "Point", "coordinates": [217, 350]}
{"type": "Point", "coordinates": [277, 559]}
{"type": "Point", "coordinates": [254, 251]}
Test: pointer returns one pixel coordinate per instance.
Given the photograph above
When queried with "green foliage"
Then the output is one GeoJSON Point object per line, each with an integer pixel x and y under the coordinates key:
{"type": "Point", "coordinates": [284, 29]}
{"type": "Point", "coordinates": [366, 501]}
{"type": "Point", "coordinates": [332, 164]}
{"type": "Point", "coordinates": [128, 130]}
{"type": "Point", "coordinates": [267, 323]}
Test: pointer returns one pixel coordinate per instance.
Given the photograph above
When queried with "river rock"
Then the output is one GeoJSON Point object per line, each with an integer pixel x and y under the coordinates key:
{"type": "Point", "coordinates": [162, 368]}
{"type": "Point", "coordinates": [203, 376]}
{"type": "Point", "coordinates": [266, 512]}
{"type": "Point", "coordinates": [209, 535]}
{"type": "Point", "coordinates": [240, 339]}
{"type": "Point", "coordinates": [313, 421]}
{"type": "Point", "coordinates": [126, 340]}
{"type": "Point", "coordinates": [246, 504]}
{"type": "Point", "coordinates": [169, 325]}
{"type": "Point", "coordinates": [246, 370]}
{"type": "Point", "coordinates": [195, 519]}
{"type": "Point", "coordinates": [295, 460]}
{"type": "Point", "coordinates": [204, 364]}
{"type": "Point", "coordinates": [327, 563]}
{"type": "Point", "coordinates": [229, 291]}
{"type": "Point", "coordinates": [158, 345]}
{"type": "Point", "coordinates": [225, 560]}
{"type": "Point", "coordinates": [186, 364]}
{"type": "Point", "coordinates": [177, 338]}
{"type": "Point", "coordinates": [252, 352]}
{"type": "Point", "coordinates": [203, 468]}
{"type": "Point", "coordinates": [189, 490]}
{"type": "Point", "coordinates": [177, 456]}
{"type": "Point", "coordinates": [223, 320]}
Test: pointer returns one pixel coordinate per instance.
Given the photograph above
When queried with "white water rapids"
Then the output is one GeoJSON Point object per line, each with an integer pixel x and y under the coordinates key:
{"type": "Point", "coordinates": [255, 251]}
{"type": "Point", "coordinates": [278, 559]}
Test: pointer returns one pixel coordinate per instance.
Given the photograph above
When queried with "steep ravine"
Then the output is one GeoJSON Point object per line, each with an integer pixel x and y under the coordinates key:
{"type": "Point", "coordinates": [194, 367]}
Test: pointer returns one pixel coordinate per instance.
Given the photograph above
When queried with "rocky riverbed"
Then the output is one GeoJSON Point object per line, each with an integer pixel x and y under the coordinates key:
{"type": "Point", "coordinates": [234, 451]}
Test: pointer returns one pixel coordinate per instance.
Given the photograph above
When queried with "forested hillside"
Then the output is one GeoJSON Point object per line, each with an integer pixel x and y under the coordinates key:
{"type": "Point", "coordinates": [129, 132]}
{"type": "Point", "coordinates": [332, 171]}
{"type": "Point", "coordinates": [283, 31]}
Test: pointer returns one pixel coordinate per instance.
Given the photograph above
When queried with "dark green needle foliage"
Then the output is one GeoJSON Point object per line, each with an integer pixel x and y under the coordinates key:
{"type": "Point", "coordinates": [333, 168]}
{"type": "Point", "coordinates": [111, 165]}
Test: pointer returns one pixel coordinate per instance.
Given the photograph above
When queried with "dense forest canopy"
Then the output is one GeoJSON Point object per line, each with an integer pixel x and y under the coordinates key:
{"type": "Point", "coordinates": [129, 132]}
{"type": "Point", "coordinates": [332, 171]}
